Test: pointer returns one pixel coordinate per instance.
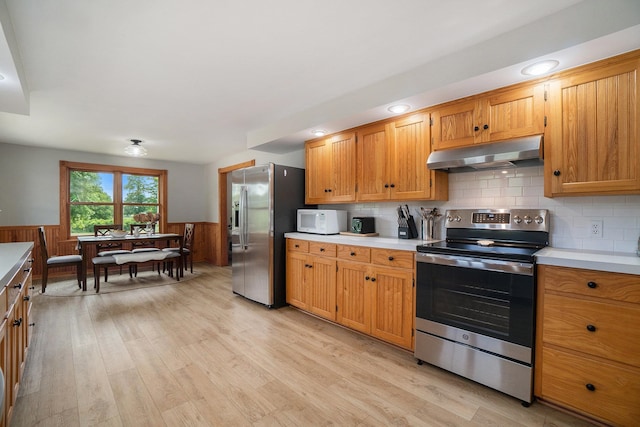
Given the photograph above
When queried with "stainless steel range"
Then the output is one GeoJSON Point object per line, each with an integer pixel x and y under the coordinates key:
{"type": "Point", "coordinates": [475, 297]}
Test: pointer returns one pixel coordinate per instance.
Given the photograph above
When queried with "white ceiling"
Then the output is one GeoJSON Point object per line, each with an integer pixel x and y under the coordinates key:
{"type": "Point", "coordinates": [202, 79]}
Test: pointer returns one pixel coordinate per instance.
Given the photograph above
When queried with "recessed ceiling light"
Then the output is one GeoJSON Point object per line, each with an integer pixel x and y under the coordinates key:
{"type": "Point", "coordinates": [135, 149]}
{"type": "Point", "coordinates": [319, 132]}
{"type": "Point", "coordinates": [540, 67]}
{"type": "Point", "coordinates": [399, 108]}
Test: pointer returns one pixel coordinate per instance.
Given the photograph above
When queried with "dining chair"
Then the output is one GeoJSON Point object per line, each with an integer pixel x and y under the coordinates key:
{"type": "Point", "coordinates": [56, 261]}
{"type": "Point", "coordinates": [108, 248]}
{"type": "Point", "coordinates": [187, 246]}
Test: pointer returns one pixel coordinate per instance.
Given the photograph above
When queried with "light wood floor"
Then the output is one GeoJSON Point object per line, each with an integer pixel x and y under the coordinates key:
{"type": "Point", "coordinates": [194, 354]}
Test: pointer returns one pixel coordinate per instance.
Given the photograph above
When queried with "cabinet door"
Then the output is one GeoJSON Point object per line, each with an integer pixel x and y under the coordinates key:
{"type": "Point", "coordinates": [322, 289]}
{"type": "Point", "coordinates": [410, 149]}
{"type": "Point", "coordinates": [453, 126]}
{"type": "Point", "coordinates": [512, 114]}
{"type": "Point", "coordinates": [297, 266]}
{"type": "Point", "coordinates": [342, 167]}
{"type": "Point", "coordinates": [373, 163]}
{"type": "Point", "coordinates": [593, 133]}
{"type": "Point", "coordinates": [354, 297]}
{"type": "Point", "coordinates": [316, 172]}
{"type": "Point", "coordinates": [392, 306]}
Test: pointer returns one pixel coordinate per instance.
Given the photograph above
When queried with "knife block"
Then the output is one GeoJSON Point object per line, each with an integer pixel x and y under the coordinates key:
{"type": "Point", "coordinates": [410, 231]}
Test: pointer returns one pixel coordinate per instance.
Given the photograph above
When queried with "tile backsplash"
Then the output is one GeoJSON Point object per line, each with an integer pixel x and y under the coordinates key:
{"type": "Point", "coordinates": [571, 217]}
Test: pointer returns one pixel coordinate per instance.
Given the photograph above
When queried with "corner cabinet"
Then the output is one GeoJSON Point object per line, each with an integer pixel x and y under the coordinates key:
{"type": "Point", "coordinates": [499, 115]}
{"type": "Point", "coordinates": [588, 343]}
{"type": "Point", "coordinates": [15, 304]}
{"type": "Point", "coordinates": [591, 143]}
{"type": "Point", "coordinates": [330, 170]}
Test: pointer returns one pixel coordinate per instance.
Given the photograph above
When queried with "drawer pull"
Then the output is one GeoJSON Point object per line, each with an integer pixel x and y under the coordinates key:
{"type": "Point", "coordinates": [591, 328]}
{"type": "Point", "coordinates": [373, 279]}
{"type": "Point", "coordinates": [17, 322]}
{"type": "Point", "coordinates": [18, 286]}
{"type": "Point", "coordinates": [321, 249]}
{"type": "Point", "coordinates": [297, 246]}
{"type": "Point", "coordinates": [592, 285]}
{"type": "Point", "coordinates": [367, 277]}
{"type": "Point", "coordinates": [352, 254]}
{"type": "Point", "coordinates": [390, 258]}
{"type": "Point", "coordinates": [590, 387]}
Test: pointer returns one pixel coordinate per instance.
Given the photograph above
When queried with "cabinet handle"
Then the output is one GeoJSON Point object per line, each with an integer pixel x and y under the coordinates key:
{"type": "Point", "coordinates": [476, 128]}
{"type": "Point", "coordinates": [352, 254]}
{"type": "Point", "coordinates": [18, 286]}
{"type": "Point", "coordinates": [328, 190]}
{"type": "Point", "coordinates": [17, 322]}
{"type": "Point", "coordinates": [367, 278]}
{"type": "Point", "coordinates": [32, 287]}
{"type": "Point", "coordinates": [386, 186]}
{"type": "Point", "coordinates": [390, 258]}
{"type": "Point", "coordinates": [321, 249]}
{"type": "Point", "coordinates": [590, 387]}
{"type": "Point", "coordinates": [297, 246]}
{"type": "Point", "coordinates": [373, 279]}
{"type": "Point", "coordinates": [485, 127]}
{"type": "Point", "coordinates": [393, 186]}
{"type": "Point", "coordinates": [592, 285]}
{"type": "Point", "coordinates": [591, 328]}
{"type": "Point", "coordinates": [26, 270]}
{"type": "Point", "coordinates": [26, 298]}
{"type": "Point", "coordinates": [32, 324]}
{"type": "Point", "coordinates": [556, 172]}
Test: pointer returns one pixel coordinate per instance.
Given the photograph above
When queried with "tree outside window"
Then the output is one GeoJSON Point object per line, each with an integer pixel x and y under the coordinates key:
{"type": "Point", "coordinates": [101, 194]}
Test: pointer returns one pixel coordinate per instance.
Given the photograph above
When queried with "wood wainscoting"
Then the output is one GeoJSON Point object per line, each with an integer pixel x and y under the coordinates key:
{"type": "Point", "coordinates": [204, 248]}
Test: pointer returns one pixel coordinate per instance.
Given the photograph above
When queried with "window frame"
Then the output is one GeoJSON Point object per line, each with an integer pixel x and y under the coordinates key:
{"type": "Point", "coordinates": [65, 182]}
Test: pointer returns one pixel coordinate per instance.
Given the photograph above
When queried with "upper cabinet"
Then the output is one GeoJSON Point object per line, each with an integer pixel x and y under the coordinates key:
{"type": "Point", "coordinates": [591, 142]}
{"type": "Point", "coordinates": [331, 169]}
{"type": "Point", "coordinates": [496, 116]}
{"type": "Point", "coordinates": [392, 162]}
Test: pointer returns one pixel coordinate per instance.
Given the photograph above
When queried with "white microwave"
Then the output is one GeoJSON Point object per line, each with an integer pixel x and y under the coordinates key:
{"type": "Point", "coordinates": [321, 221]}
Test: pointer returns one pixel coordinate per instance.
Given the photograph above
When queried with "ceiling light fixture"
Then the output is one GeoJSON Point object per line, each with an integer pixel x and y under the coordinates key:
{"type": "Point", "coordinates": [540, 68]}
{"type": "Point", "coordinates": [399, 108]}
{"type": "Point", "coordinates": [135, 149]}
{"type": "Point", "coordinates": [319, 132]}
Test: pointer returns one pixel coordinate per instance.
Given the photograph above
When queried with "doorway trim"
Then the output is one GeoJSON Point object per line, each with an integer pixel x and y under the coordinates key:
{"type": "Point", "coordinates": [222, 256]}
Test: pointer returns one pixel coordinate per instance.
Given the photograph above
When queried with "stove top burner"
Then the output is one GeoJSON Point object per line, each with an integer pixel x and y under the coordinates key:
{"type": "Point", "coordinates": [505, 234]}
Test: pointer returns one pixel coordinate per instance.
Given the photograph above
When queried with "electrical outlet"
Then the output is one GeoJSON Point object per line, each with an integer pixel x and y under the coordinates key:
{"type": "Point", "coordinates": [596, 228]}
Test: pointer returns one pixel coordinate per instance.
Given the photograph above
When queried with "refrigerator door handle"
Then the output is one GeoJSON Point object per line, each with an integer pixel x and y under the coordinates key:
{"type": "Point", "coordinates": [243, 217]}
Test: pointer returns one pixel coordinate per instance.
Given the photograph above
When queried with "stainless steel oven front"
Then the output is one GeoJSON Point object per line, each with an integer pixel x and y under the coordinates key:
{"type": "Point", "coordinates": [475, 317]}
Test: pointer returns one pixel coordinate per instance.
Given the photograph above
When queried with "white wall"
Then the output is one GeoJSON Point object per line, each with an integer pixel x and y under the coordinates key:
{"type": "Point", "coordinates": [30, 184]}
{"type": "Point", "coordinates": [570, 216]}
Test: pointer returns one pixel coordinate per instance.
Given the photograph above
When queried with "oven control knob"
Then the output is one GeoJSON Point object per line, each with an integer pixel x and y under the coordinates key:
{"type": "Point", "coordinates": [527, 219]}
{"type": "Point", "coordinates": [538, 219]}
{"type": "Point", "coordinates": [517, 219]}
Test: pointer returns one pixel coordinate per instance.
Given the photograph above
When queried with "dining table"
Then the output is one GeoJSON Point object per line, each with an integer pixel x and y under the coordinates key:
{"type": "Point", "coordinates": [85, 242]}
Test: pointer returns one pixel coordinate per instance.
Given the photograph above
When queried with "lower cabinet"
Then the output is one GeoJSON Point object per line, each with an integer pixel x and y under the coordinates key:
{"type": "Point", "coordinates": [588, 343]}
{"type": "Point", "coordinates": [366, 289]}
{"type": "Point", "coordinates": [14, 333]}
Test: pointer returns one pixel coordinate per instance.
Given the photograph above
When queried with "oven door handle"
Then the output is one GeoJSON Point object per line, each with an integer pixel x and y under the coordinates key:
{"type": "Point", "coordinates": [513, 267]}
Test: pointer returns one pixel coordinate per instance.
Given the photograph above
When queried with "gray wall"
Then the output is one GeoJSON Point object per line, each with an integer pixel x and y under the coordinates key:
{"type": "Point", "coordinates": [30, 184]}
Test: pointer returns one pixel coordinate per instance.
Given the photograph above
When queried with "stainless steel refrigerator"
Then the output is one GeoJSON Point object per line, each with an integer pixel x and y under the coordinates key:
{"type": "Point", "coordinates": [263, 206]}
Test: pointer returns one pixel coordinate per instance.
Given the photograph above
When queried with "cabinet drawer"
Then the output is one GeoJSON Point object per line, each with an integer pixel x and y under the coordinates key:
{"type": "Point", "coordinates": [596, 328]}
{"type": "Point", "coordinates": [616, 389]}
{"type": "Point", "coordinates": [354, 253]}
{"type": "Point", "coordinates": [322, 249]}
{"type": "Point", "coordinates": [295, 245]}
{"type": "Point", "coordinates": [616, 286]}
{"type": "Point", "coordinates": [392, 258]}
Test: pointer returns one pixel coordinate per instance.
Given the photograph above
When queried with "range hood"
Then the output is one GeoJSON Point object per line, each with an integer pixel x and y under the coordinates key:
{"type": "Point", "coordinates": [525, 151]}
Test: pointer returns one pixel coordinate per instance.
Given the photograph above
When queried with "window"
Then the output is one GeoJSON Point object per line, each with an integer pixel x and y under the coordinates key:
{"type": "Point", "coordinates": [100, 194]}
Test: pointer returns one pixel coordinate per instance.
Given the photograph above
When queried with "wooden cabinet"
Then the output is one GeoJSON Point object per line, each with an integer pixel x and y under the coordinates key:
{"type": "Point", "coordinates": [588, 343]}
{"type": "Point", "coordinates": [311, 277]}
{"type": "Point", "coordinates": [366, 289]}
{"type": "Point", "coordinates": [330, 170]}
{"type": "Point", "coordinates": [392, 162]}
{"type": "Point", "coordinates": [591, 142]}
{"type": "Point", "coordinates": [377, 300]}
{"type": "Point", "coordinates": [15, 300]}
{"type": "Point", "coordinates": [499, 115]}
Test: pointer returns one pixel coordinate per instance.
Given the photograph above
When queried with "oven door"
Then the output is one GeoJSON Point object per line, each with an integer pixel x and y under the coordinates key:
{"type": "Point", "coordinates": [492, 298]}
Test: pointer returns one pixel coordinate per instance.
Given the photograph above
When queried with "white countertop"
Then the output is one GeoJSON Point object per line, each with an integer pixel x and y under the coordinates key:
{"type": "Point", "coordinates": [372, 242]}
{"type": "Point", "coordinates": [11, 257]}
{"type": "Point", "coordinates": [590, 260]}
